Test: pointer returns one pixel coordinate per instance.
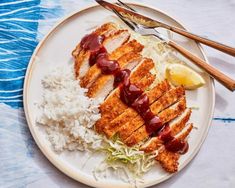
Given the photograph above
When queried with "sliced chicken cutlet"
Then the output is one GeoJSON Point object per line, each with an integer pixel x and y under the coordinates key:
{"type": "Point", "coordinates": [140, 76]}
{"type": "Point", "coordinates": [115, 40]}
{"type": "Point", "coordinates": [111, 43]}
{"type": "Point", "coordinates": [169, 160]}
{"type": "Point", "coordinates": [166, 100]}
{"type": "Point", "coordinates": [165, 116]}
{"type": "Point", "coordinates": [104, 84]}
{"type": "Point", "coordinates": [175, 126]}
{"type": "Point", "coordinates": [179, 123]}
{"type": "Point", "coordinates": [113, 106]}
{"type": "Point", "coordinates": [130, 113]}
{"type": "Point", "coordinates": [106, 29]}
{"type": "Point", "coordinates": [94, 71]}
{"type": "Point", "coordinates": [116, 106]}
{"type": "Point", "coordinates": [81, 56]}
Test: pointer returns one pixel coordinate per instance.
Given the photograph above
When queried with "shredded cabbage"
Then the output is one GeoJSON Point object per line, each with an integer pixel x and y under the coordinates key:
{"type": "Point", "coordinates": [128, 163]}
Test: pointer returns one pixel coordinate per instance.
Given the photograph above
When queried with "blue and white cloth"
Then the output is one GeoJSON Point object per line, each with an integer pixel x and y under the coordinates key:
{"type": "Point", "coordinates": [24, 22]}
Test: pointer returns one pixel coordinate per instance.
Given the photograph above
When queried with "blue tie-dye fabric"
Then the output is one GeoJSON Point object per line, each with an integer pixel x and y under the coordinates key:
{"type": "Point", "coordinates": [18, 31]}
{"type": "Point", "coordinates": [19, 22]}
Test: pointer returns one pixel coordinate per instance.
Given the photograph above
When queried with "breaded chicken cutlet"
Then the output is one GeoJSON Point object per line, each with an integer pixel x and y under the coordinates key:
{"type": "Point", "coordinates": [137, 108]}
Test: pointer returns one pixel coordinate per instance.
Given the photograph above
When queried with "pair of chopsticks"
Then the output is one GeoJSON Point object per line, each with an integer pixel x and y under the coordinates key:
{"type": "Point", "coordinates": [142, 24]}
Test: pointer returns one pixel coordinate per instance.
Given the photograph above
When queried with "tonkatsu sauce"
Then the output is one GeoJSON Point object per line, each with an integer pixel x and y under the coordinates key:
{"type": "Point", "coordinates": [177, 146]}
{"type": "Point", "coordinates": [93, 43]}
{"type": "Point", "coordinates": [171, 143]}
{"type": "Point", "coordinates": [142, 106]}
{"type": "Point", "coordinates": [121, 76]}
{"type": "Point", "coordinates": [107, 66]}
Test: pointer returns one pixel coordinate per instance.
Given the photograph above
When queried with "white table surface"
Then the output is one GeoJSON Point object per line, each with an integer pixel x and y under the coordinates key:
{"type": "Point", "coordinates": [214, 166]}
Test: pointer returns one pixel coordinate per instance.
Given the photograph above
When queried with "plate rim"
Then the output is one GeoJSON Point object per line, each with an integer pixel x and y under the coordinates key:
{"type": "Point", "coordinates": [48, 154]}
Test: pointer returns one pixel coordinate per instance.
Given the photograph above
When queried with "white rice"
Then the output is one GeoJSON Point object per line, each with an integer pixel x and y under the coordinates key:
{"type": "Point", "coordinates": [67, 113]}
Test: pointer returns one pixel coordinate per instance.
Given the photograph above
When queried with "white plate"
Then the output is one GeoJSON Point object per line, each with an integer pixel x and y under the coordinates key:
{"type": "Point", "coordinates": [56, 49]}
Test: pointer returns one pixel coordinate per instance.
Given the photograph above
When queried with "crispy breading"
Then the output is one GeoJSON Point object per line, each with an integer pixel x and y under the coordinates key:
{"type": "Point", "coordinates": [104, 81]}
{"type": "Point", "coordinates": [94, 71]}
{"type": "Point", "coordinates": [171, 113]}
{"type": "Point", "coordinates": [169, 98]}
{"type": "Point", "coordinates": [165, 116]}
{"type": "Point", "coordinates": [151, 145]}
{"type": "Point", "coordinates": [142, 69]}
{"type": "Point", "coordinates": [176, 126]}
{"type": "Point", "coordinates": [185, 132]}
{"type": "Point", "coordinates": [115, 40]}
{"type": "Point", "coordinates": [131, 46]}
{"type": "Point", "coordinates": [130, 113]}
{"type": "Point", "coordinates": [157, 91]}
{"type": "Point", "coordinates": [169, 160]}
{"type": "Point", "coordinates": [106, 29]}
{"type": "Point", "coordinates": [81, 64]}
{"type": "Point", "coordinates": [114, 106]}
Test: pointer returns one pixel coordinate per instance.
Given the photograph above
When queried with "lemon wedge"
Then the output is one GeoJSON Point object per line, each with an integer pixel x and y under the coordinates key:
{"type": "Point", "coordinates": [179, 74]}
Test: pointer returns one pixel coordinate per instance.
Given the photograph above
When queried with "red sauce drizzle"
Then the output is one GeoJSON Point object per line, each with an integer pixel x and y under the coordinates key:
{"type": "Point", "coordinates": [107, 66]}
{"type": "Point", "coordinates": [93, 43]}
{"type": "Point", "coordinates": [95, 54]}
{"type": "Point", "coordinates": [165, 134]}
{"type": "Point", "coordinates": [141, 105]}
{"type": "Point", "coordinates": [130, 94]}
{"type": "Point", "coordinates": [176, 145]}
{"type": "Point", "coordinates": [121, 76]}
{"type": "Point", "coordinates": [171, 143]}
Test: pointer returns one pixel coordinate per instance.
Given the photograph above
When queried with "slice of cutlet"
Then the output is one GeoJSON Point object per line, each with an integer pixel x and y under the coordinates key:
{"type": "Point", "coordinates": [106, 29]}
{"type": "Point", "coordinates": [169, 160]}
{"type": "Point", "coordinates": [130, 113]}
{"type": "Point", "coordinates": [110, 43]}
{"type": "Point", "coordinates": [104, 84]}
{"type": "Point", "coordinates": [165, 116]}
{"type": "Point", "coordinates": [115, 40]}
{"type": "Point", "coordinates": [81, 64]}
{"type": "Point", "coordinates": [166, 100]}
{"type": "Point", "coordinates": [175, 126]}
{"type": "Point", "coordinates": [113, 106]}
{"type": "Point", "coordinates": [116, 106]}
{"type": "Point", "coordinates": [94, 71]}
